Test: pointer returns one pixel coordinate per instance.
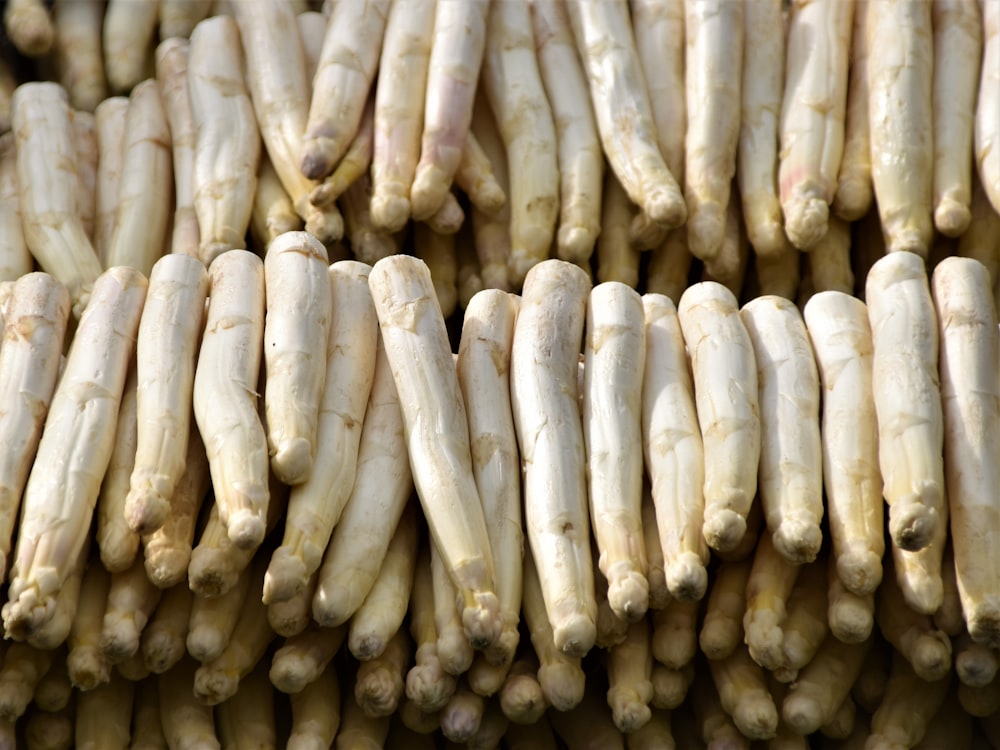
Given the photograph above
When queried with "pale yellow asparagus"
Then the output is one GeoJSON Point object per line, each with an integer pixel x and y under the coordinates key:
{"type": "Point", "coordinates": [589, 725]}
{"type": "Point", "coordinates": [901, 121]}
{"type": "Point", "coordinates": [970, 399]}
{"type": "Point", "coordinates": [670, 686]}
{"type": "Point", "coordinates": [171, 61]}
{"type": "Point", "coordinates": [85, 663]}
{"type": "Point", "coordinates": [416, 345]}
{"type": "Point", "coordinates": [772, 578]}
{"type": "Point", "coordinates": [669, 265]}
{"type": "Point", "coordinates": [359, 730]}
{"type": "Point", "coordinates": [659, 593]}
{"type": "Point", "coordinates": [128, 35]}
{"type": "Point", "coordinates": [354, 163]}
{"type": "Point", "coordinates": [368, 243]}
{"type": "Point", "coordinates": [291, 616]}
{"type": "Point", "coordinates": [166, 348]}
{"type": "Point", "coordinates": [958, 43]}
{"type": "Point", "coordinates": [920, 573]}
{"type": "Point", "coordinates": [790, 475]}
{"type": "Point", "coordinates": [486, 679]}
{"type": "Point", "coordinates": [611, 628]}
{"type": "Point", "coordinates": [757, 152]}
{"type": "Point", "coordinates": [675, 633]}
{"type": "Point", "coordinates": [907, 397]}
{"type": "Point", "coordinates": [521, 698]}
{"type": "Point", "coordinates": [976, 664]}
{"type": "Point", "coordinates": [729, 266]}
{"type": "Point", "coordinates": [428, 686]}
{"type": "Point", "coordinates": [985, 141]}
{"type": "Point", "coordinates": [438, 252]}
{"type": "Point", "coordinates": [841, 338]}
{"type": "Point", "coordinates": [721, 627]}
{"type": "Point", "coordinates": [145, 186]}
{"type": "Point", "coordinates": [212, 620]}
{"type": "Point", "coordinates": [54, 691]}
{"type": "Point", "coordinates": [622, 111]}
{"type": "Point", "coordinates": [812, 115]}
{"type": "Point", "coordinates": [468, 278]}
{"type": "Point", "coordinates": [85, 145]}
{"type": "Point", "coordinates": [133, 668]}
{"type": "Point", "coordinates": [272, 214]}
{"type": "Point", "coordinates": [23, 667]}
{"type": "Point", "coordinates": [248, 719]}
{"type": "Point", "coordinates": [104, 715]}
{"type": "Point", "coordinates": [630, 688]}
{"type": "Point", "coordinates": [315, 505]}
{"type": "Point", "coordinates": [476, 178]}
{"type": "Point", "coordinates": [227, 148]}
{"type": "Point", "coordinates": [109, 116]}
{"type": "Point", "coordinates": [15, 258]}
{"type": "Point", "coordinates": [830, 259]}
{"type": "Point", "coordinates": [461, 716]}
{"type": "Point", "coordinates": [979, 241]}
{"type": "Point", "coordinates": [224, 395]}
{"type": "Point", "coordinates": [163, 642]}
{"type": "Point", "coordinates": [617, 260]}
{"type": "Point", "coordinates": [167, 551]}
{"type": "Point", "coordinates": [743, 694]}
{"type": "Point", "coordinates": [454, 650]}
{"type": "Point", "coordinates": [560, 674]}
{"type": "Point", "coordinates": [50, 730]}
{"type": "Point", "coordinates": [805, 624]}
{"type": "Point", "coordinates": [780, 274]}
{"type": "Point", "coordinates": [74, 450]}
{"type": "Point", "coordinates": [851, 616]}
{"type": "Point", "coordinates": [33, 332]}
{"type": "Point", "coordinates": [384, 607]}
{"type": "Point", "coordinates": [453, 69]}
{"type": "Point", "coordinates": [726, 397]}
{"type": "Point", "coordinates": [491, 232]}
{"type": "Point", "coordinates": [55, 632]}
{"type": "Point", "coordinates": [548, 337]}
{"type": "Point", "coordinates": [853, 196]}
{"type": "Point", "coordinates": [28, 26]}
{"type": "Point", "coordinates": [315, 713]}
{"type": "Point", "coordinates": [132, 598]}
{"type": "Point", "coordinates": [118, 544]}
{"type": "Point", "coordinates": [492, 728]}
{"type": "Point", "coordinates": [514, 88]}
{"type": "Point", "coordinates": [344, 74]}
{"type": "Point", "coordinates": [614, 351]}
{"type": "Point", "coordinates": [186, 721]}
{"type": "Point", "coordinates": [379, 683]}
{"type": "Point", "coordinates": [46, 173]}
{"type": "Point", "coordinates": [840, 727]}
{"type": "Point", "coordinates": [906, 708]}
{"type": "Point", "coordinates": [177, 18]}
{"type": "Point", "coordinates": [948, 616]}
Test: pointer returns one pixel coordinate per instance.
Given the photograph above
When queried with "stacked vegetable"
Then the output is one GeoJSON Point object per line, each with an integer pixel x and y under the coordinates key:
{"type": "Point", "coordinates": [718, 341]}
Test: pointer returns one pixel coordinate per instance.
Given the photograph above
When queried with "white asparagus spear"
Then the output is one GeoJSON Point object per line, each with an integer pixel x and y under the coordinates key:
{"type": "Point", "coordinates": [630, 666]}
{"type": "Point", "coordinates": [453, 648]}
{"type": "Point", "coordinates": [614, 362]}
{"type": "Point", "coordinates": [127, 38]}
{"type": "Point", "coordinates": [416, 346]}
{"type": "Point", "coordinates": [986, 140]}
{"type": "Point", "coordinates": [617, 258]}
{"type": "Point", "coordinates": [544, 359]}
{"type": "Point", "coordinates": [428, 686]}
{"type": "Point", "coordinates": [722, 624]}
{"type": "Point", "coordinates": [483, 366]}
{"type": "Point", "coordinates": [812, 115]}
{"type": "Point", "coordinates": [456, 58]}
{"type": "Point", "coordinates": [132, 598]}
{"type": "Point", "coordinates": [227, 148]}
{"type": "Point", "coordinates": [33, 333]}
{"type": "Point", "coordinates": [606, 45]}
{"type": "Point", "coordinates": [85, 142]}
{"type": "Point", "coordinates": [726, 396]}
{"type": "Point", "coordinates": [854, 180]}
{"type": "Point", "coordinates": [399, 109]}
{"type": "Point", "coordinates": [761, 90]}
{"type": "Point", "coordinates": [769, 585]}
{"type": "Point", "coordinates": [491, 233]}
{"type": "Point", "coordinates": [46, 172]}
{"type": "Point", "coordinates": [109, 117]}
{"type": "Point", "coordinates": [841, 339]}
{"type": "Point", "coordinates": [907, 397]}
{"type": "Point", "coordinates": [790, 475]}
{"type": "Point", "coordinates": [163, 638]}
{"type": "Point", "coordinates": [315, 506]}
{"type": "Point", "coordinates": [513, 84]}
{"type": "Point", "coordinates": [166, 348]}
{"type": "Point", "coordinates": [177, 18]}
{"type": "Point", "coordinates": [438, 252]}
{"type": "Point", "coordinates": [713, 86]}
{"type": "Point", "coordinates": [581, 160]}
{"type": "Point", "coordinates": [656, 575]}
{"type": "Point", "coordinates": [901, 120]}
{"type": "Point", "coordinates": [344, 74]}
{"type": "Point", "coordinates": [970, 399]}
{"type": "Point", "coordinates": [224, 395]}
{"type": "Point", "coordinates": [958, 48]}
{"type": "Point", "coordinates": [74, 450]}
{"type": "Point", "coordinates": [15, 258]}
{"type": "Point", "coordinates": [28, 27]}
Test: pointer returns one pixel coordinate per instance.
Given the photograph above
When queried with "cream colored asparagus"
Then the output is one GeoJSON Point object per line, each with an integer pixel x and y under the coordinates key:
{"type": "Point", "coordinates": [492, 728]}
{"type": "Point", "coordinates": [589, 725]}
{"type": "Point", "coordinates": [353, 165]}
{"type": "Point", "coordinates": [248, 718]}
{"type": "Point", "coordinates": [611, 628]}
{"type": "Point", "coordinates": [790, 475]}
{"type": "Point", "coordinates": [127, 39]}
{"type": "Point", "coordinates": [315, 713]}
{"type": "Point", "coordinates": [291, 616]}
{"type": "Point", "coordinates": [183, 717]}
{"type": "Point", "coordinates": [85, 146]}
{"type": "Point", "coordinates": [617, 260]}
{"type": "Point", "coordinates": [630, 689]}
{"type": "Point", "coordinates": [227, 147]}
{"type": "Point", "coordinates": [453, 648]}
{"type": "Point", "coordinates": [545, 350]}
{"type": "Point", "coordinates": [985, 141]}
{"type": "Point", "coordinates": [359, 730]}
{"type": "Point", "coordinates": [23, 666]}
{"type": "Point", "coordinates": [50, 730]}
{"type": "Point", "coordinates": [212, 620]}
{"type": "Point", "coordinates": [132, 598]}
{"type": "Point", "coordinates": [178, 18]}
{"type": "Point", "coordinates": [119, 544]}
{"type": "Point", "coordinates": [428, 686]}
{"type": "Point", "coordinates": [438, 252]}
{"type": "Point", "coordinates": [416, 345]}
{"type": "Point", "coordinates": [54, 691]}
{"type": "Point", "coordinates": [104, 714]}
{"type": "Point", "coordinates": [15, 258]}
{"type": "Point", "coordinates": [379, 682]}
{"type": "Point", "coordinates": [314, 506]}
{"type": "Point", "coordinates": [853, 197]}
{"type": "Point", "coordinates": [273, 213]}
{"type": "Point", "coordinates": [769, 585]}
{"type": "Point", "coordinates": [28, 26]}
{"type": "Point", "coordinates": [491, 232]}
{"type": "Point", "coordinates": [163, 642]}
{"type": "Point", "coordinates": [55, 632]}
{"type": "Point", "coordinates": [521, 698]}
{"type": "Point", "coordinates": [743, 693]}
{"type": "Point", "coordinates": [805, 624]}
{"type": "Point", "coordinates": [109, 116]}
{"type": "Point", "coordinates": [975, 663]}
{"type": "Point", "coordinates": [722, 627]}
{"type": "Point", "coordinates": [901, 121]}
{"type": "Point", "coordinates": [675, 633]}
{"type": "Point", "coordinates": [830, 259]}
{"type": "Point", "coordinates": [850, 616]}
{"type": "Point", "coordinates": [659, 594]}
{"type": "Point", "coordinates": [456, 59]}
{"type": "Point", "coordinates": [725, 377]}
{"type": "Point", "coordinates": [476, 178]}
{"type": "Point", "coordinates": [46, 156]}
{"type": "Point", "coordinates": [74, 450]}
{"type": "Point", "coordinates": [979, 240]}
{"type": "Point", "coordinates": [908, 705]}
{"type": "Point", "coordinates": [85, 663]}
{"type": "Point", "coordinates": [461, 716]}
{"type": "Point", "coordinates": [34, 329]}
{"type": "Point", "coordinates": [345, 72]}
{"type": "Point", "coordinates": [670, 686]}
{"type": "Point", "coordinates": [303, 657]}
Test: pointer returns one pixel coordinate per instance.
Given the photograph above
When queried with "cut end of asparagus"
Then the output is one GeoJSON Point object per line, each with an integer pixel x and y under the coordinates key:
{"type": "Point", "coordinates": [562, 685]}
{"type": "Point", "coordinates": [931, 656]}
{"type": "Point", "coordinates": [379, 692]}
{"type": "Point", "coordinates": [718, 637]}
{"type": "Point", "coordinates": [645, 234]}
{"type": "Point", "coordinates": [211, 572]}
{"type": "Point", "coordinates": [575, 244]}
{"type": "Point", "coordinates": [213, 686]}
{"type": "Point", "coordinates": [28, 612]}
{"type": "Point", "coordinates": [118, 546]}
{"type": "Point", "coordinates": [454, 651]}
{"type": "Point", "coordinates": [913, 519]}
{"type": "Point", "coordinates": [481, 620]}
{"type": "Point", "coordinates": [168, 566]}
{"type": "Point", "coordinates": [366, 647]}
{"type": "Point", "coordinates": [854, 197]}
{"type": "Point", "coordinates": [326, 225]}
{"type": "Point", "coordinates": [87, 667]}
{"type": "Point", "coordinates": [318, 157]}
{"type": "Point", "coordinates": [628, 594]}
{"type": "Point", "coordinates": [205, 643]}
{"type": "Point", "coordinates": [859, 569]}
{"type": "Point", "coordinates": [628, 710]}
{"type": "Point", "coordinates": [501, 653]}
{"type": "Point", "coordinates": [159, 652]}
{"type": "Point", "coordinates": [973, 670]}
{"type": "Point", "coordinates": [764, 638]}
{"type": "Point", "coordinates": [798, 540]}
{"type": "Point", "coordinates": [389, 212]}
{"type": "Point", "coordinates": [687, 578]}
{"type": "Point", "coordinates": [522, 700]}
{"type": "Point", "coordinates": [286, 576]}
{"type": "Point", "coordinates": [246, 528]}
{"type": "Point", "coordinates": [706, 230]}
{"type": "Point", "coordinates": [757, 717]}
{"type": "Point", "coordinates": [851, 621]}
{"type": "Point", "coordinates": [429, 686]}
{"type": "Point", "coordinates": [665, 206]}
{"type": "Point", "coordinates": [292, 461]}
{"type": "Point", "coordinates": [119, 638]}
{"type": "Point", "coordinates": [147, 506]}
{"type": "Point", "coordinates": [983, 622]}
{"type": "Point", "coordinates": [289, 674]}
{"type": "Point", "coordinates": [806, 221]}
{"type": "Point", "coordinates": [723, 528]}
{"type": "Point", "coordinates": [801, 713]}
{"type": "Point", "coordinates": [429, 190]}
{"type": "Point", "coordinates": [952, 217]}
{"type": "Point", "coordinates": [575, 635]}
{"type": "Point", "coordinates": [30, 29]}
